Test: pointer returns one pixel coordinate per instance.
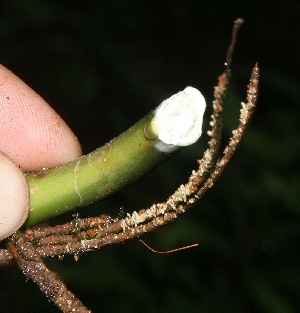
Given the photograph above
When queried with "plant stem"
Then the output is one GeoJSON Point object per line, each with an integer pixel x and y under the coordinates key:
{"type": "Point", "coordinates": [177, 122]}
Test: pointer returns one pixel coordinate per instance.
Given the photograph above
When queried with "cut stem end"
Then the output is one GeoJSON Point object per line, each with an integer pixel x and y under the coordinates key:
{"type": "Point", "coordinates": [178, 120]}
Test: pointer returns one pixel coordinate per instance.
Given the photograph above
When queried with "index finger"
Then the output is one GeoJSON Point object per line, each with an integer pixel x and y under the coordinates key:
{"type": "Point", "coordinates": [33, 135]}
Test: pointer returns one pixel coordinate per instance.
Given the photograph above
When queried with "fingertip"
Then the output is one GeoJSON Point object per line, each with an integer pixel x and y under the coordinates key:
{"type": "Point", "coordinates": [14, 197]}
{"type": "Point", "coordinates": [32, 133]}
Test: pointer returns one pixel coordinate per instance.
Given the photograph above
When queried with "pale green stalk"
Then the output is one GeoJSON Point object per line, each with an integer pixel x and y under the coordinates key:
{"type": "Point", "coordinates": [124, 159]}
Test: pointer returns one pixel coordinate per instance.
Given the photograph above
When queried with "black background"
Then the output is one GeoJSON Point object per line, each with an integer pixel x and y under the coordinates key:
{"type": "Point", "coordinates": [103, 65]}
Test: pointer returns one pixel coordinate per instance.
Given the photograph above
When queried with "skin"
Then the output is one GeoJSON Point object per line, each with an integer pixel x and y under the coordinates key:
{"type": "Point", "coordinates": [32, 136]}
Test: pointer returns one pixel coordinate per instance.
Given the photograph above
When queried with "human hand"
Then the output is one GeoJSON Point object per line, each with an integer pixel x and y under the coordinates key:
{"type": "Point", "coordinates": [32, 136]}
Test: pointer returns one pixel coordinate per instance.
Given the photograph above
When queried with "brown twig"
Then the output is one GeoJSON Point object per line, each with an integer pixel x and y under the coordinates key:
{"type": "Point", "coordinates": [236, 27]}
{"type": "Point", "coordinates": [49, 283]}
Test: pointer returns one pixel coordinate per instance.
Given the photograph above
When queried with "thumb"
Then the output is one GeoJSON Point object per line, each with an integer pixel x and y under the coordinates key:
{"type": "Point", "coordinates": [14, 197]}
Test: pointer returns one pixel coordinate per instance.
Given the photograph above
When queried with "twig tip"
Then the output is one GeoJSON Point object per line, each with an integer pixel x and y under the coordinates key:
{"type": "Point", "coordinates": [239, 21]}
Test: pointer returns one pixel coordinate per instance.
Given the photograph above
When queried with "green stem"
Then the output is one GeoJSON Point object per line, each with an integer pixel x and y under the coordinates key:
{"type": "Point", "coordinates": [124, 159]}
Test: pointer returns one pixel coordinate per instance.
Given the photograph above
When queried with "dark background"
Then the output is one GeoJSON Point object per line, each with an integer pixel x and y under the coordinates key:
{"type": "Point", "coordinates": [103, 65]}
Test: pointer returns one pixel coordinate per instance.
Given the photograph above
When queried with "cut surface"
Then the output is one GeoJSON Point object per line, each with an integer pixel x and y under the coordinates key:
{"type": "Point", "coordinates": [178, 120]}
